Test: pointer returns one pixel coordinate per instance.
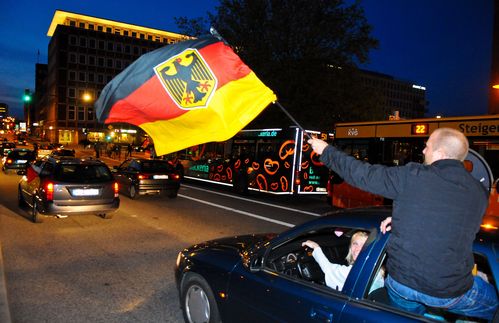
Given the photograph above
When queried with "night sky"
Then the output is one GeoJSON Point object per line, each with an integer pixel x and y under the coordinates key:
{"type": "Point", "coordinates": [443, 45]}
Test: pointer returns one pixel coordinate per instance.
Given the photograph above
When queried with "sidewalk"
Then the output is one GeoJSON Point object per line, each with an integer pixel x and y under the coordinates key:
{"type": "Point", "coordinates": [4, 304]}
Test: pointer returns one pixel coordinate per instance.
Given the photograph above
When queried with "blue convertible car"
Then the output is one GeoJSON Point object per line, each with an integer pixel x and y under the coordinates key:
{"type": "Point", "coordinates": [272, 278]}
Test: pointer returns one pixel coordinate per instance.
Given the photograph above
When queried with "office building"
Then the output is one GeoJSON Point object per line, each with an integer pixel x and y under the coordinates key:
{"type": "Point", "coordinates": [84, 54]}
{"type": "Point", "coordinates": [399, 98]}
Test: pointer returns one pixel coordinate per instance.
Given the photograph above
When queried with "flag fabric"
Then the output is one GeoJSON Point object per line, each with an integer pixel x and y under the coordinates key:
{"type": "Point", "coordinates": [185, 94]}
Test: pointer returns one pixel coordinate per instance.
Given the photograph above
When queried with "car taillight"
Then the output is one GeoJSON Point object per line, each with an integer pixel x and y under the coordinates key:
{"type": "Point", "coordinates": [142, 176]}
{"type": "Point", "coordinates": [116, 189]}
{"type": "Point", "coordinates": [175, 177]}
{"type": "Point", "coordinates": [49, 191]}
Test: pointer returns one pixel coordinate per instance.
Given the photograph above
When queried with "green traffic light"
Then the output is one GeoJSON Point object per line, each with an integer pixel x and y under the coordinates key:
{"type": "Point", "coordinates": [27, 98]}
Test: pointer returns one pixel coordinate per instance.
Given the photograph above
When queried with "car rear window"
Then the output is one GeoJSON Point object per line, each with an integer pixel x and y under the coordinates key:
{"type": "Point", "coordinates": [78, 173]}
{"type": "Point", "coordinates": [22, 154]}
{"type": "Point", "coordinates": [155, 166]}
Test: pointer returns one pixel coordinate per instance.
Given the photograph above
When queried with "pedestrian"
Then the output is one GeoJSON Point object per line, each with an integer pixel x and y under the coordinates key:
{"type": "Point", "coordinates": [437, 211]}
{"type": "Point", "coordinates": [35, 149]}
{"type": "Point", "coordinates": [97, 149]}
{"type": "Point", "coordinates": [129, 150]}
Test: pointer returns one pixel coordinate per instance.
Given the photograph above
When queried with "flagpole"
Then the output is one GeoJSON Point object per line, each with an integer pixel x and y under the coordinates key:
{"type": "Point", "coordinates": [292, 119]}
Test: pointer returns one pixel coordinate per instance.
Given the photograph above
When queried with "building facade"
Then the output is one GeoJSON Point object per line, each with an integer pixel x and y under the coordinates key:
{"type": "Point", "coordinates": [84, 54]}
{"type": "Point", "coordinates": [399, 98]}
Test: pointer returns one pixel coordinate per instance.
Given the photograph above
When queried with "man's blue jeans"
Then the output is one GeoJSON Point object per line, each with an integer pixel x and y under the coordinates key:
{"type": "Point", "coordinates": [480, 301]}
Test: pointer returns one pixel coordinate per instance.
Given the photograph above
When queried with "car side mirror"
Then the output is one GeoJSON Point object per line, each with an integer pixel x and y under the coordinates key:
{"type": "Point", "coordinates": [256, 263]}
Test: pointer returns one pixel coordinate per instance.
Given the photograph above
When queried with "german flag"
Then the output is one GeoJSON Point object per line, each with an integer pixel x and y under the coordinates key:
{"type": "Point", "coordinates": [185, 94]}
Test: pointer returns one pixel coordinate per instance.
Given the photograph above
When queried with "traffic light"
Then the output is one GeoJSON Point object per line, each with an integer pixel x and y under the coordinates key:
{"type": "Point", "coordinates": [27, 97]}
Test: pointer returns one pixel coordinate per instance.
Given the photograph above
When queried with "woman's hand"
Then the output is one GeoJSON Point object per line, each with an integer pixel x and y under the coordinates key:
{"type": "Point", "coordinates": [311, 244]}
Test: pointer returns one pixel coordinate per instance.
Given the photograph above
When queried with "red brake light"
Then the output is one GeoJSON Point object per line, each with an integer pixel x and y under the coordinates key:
{"type": "Point", "coordinates": [142, 176]}
{"type": "Point", "coordinates": [49, 191]}
{"type": "Point", "coordinates": [116, 189]}
{"type": "Point", "coordinates": [175, 177]}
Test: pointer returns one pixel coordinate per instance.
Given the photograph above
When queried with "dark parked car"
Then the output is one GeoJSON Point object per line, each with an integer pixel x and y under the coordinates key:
{"type": "Point", "coordinates": [62, 152]}
{"type": "Point", "coordinates": [140, 176]}
{"type": "Point", "coordinates": [6, 146]}
{"type": "Point", "coordinates": [272, 278]}
{"type": "Point", "coordinates": [67, 186]}
{"type": "Point", "coordinates": [18, 159]}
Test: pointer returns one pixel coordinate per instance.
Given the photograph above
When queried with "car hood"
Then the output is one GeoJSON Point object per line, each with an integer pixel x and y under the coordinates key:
{"type": "Point", "coordinates": [238, 244]}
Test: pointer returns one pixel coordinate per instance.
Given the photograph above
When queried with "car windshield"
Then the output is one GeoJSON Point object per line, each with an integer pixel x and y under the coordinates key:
{"type": "Point", "coordinates": [155, 166]}
{"type": "Point", "coordinates": [77, 173]}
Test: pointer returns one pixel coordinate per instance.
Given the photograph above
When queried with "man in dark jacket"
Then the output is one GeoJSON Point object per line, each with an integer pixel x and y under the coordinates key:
{"type": "Point", "coordinates": [437, 211]}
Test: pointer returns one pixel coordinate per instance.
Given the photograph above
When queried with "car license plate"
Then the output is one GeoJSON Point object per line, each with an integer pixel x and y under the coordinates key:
{"type": "Point", "coordinates": [21, 161]}
{"type": "Point", "coordinates": [85, 192]}
{"type": "Point", "coordinates": [160, 177]}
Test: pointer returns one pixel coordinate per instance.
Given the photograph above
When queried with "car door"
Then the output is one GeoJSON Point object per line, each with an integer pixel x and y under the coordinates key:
{"type": "Point", "coordinates": [274, 293]}
{"type": "Point", "coordinates": [367, 303]}
{"type": "Point", "coordinates": [266, 296]}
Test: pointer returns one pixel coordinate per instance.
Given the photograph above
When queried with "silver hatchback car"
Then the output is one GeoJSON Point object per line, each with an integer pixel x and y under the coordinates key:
{"type": "Point", "coordinates": [67, 186]}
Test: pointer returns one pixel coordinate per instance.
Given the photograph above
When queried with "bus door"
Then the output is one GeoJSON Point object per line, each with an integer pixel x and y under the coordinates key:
{"type": "Point", "coordinates": [312, 175]}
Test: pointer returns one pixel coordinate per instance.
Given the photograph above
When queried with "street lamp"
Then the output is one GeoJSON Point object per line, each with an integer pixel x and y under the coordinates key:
{"type": "Point", "coordinates": [87, 97]}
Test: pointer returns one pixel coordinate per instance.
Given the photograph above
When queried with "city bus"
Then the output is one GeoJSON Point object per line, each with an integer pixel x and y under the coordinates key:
{"type": "Point", "coordinates": [397, 142]}
{"type": "Point", "coordinates": [276, 161]}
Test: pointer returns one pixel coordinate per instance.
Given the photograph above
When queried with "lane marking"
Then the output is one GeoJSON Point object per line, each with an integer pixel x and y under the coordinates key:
{"type": "Point", "coordinates": [253, 201]}
{"type": "Point", "coordinates": [256, 216]}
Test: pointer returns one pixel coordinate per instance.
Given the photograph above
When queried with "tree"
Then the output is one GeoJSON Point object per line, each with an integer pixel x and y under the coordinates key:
{"type": "Point", "coordinates": [305, 51]}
